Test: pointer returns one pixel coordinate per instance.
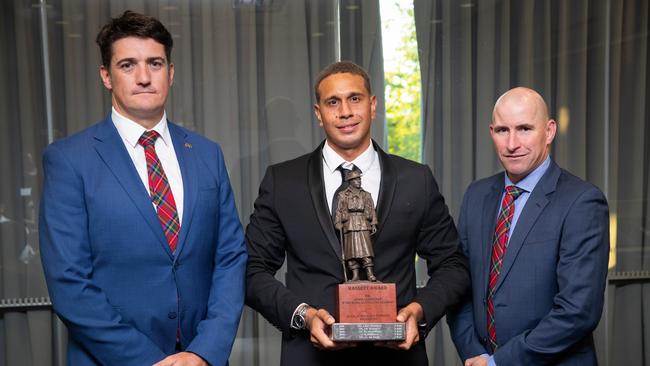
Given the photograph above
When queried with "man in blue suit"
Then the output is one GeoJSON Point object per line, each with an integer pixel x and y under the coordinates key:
{"type": "Point", "coordinates": [537, 240]}
{"type": "Point", "coordinates": [140, 238]}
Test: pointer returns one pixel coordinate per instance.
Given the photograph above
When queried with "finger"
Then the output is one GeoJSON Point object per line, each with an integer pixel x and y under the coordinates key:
{"type": "Point", "coordinates": [317, 331]}
{"type": "Point", "coordinates": [412, 335]}
{"type": "Point", "coordinates": [403, 315]}
{"type": "Point", "coordinates": [325, 316]}
{"type": "Point", "coordinates": [163, 362]}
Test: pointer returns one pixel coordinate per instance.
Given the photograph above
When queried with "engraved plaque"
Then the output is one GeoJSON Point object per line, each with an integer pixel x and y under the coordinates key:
{"type": "Point", "coordinates": [368, 332]}
{"type": "Point", "coordinates": [366, 311]}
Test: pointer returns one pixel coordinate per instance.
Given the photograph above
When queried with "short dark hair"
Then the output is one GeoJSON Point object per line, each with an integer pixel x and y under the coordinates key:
{"type": "Point", "coordinates": [341, 67]}
{"type": "Point", "coordinates": [132, 24]}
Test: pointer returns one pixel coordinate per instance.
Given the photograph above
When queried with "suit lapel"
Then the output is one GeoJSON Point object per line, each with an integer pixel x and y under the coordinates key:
{"type": "Point", "coordinates": [491, 204]}
{"type": "Point", "coordinates": [534, 207]}
{"type": "Point", "coordinates": [318, 197]}
{"type": "Point", "coordinates": [386, 189]}
{"type": "Point", "coordinates": [189, 171]}
{"type": "Point", "coordinates": [111, 149]}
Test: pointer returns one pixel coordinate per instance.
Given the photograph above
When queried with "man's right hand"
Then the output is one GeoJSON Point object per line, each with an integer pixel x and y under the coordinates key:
{"type": "Point", "coordinates": [318, 322]}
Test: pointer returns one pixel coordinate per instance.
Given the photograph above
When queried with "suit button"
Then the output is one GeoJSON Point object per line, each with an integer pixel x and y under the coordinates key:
{"type": "Point", "coordinates": [484, 340]}
{"type": "Point", "coordinates": [484, 301]}
{"type": "Point", "coordinates": [171, 315]}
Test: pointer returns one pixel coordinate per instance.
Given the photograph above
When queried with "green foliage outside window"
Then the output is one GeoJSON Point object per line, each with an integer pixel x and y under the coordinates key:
{"type": "Point", "coordinates": [402, 83]}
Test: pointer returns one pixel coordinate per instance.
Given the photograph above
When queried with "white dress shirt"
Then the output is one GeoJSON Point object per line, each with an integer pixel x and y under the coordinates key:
{"type": "Point", "coordinates": [130, 133]}
{"type": "Point", "coordinates": [367, 162]}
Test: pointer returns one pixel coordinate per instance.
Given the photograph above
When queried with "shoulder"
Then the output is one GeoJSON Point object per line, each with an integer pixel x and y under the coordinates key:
{"type": "Point", "coordinates": [75, 145]}
{"type": "Point", "coordinates": [195, 140]}
{"type": "Point", "coordinates": [403, 164]}
{"type": "Point", "coordinates": [293, 167]}
{"type": "Point", "coordinates": [485, 185]}
{"type": "Point", "coordinates": [570, 186]}
{"type": "Point", "coordinates": [79, 138]}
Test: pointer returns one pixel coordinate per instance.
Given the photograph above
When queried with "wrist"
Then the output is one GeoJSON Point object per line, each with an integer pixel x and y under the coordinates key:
{"type": "Point", "coordinates": [299, 319]}
{"type": "Point", "coordinates": [417, 311]}
{"type": "Point", "coordinates": [310, 313]}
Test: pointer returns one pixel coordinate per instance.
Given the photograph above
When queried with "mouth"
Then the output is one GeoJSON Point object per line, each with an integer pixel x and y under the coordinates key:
{"type": "Point", "coordinates": [514, 157]}
{"type": "Point", "coordinates": [349, 127]}
{"type": "Point", "coordinates": [144, 92]}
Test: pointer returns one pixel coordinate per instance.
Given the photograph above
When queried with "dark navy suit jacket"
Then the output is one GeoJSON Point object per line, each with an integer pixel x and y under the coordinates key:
{"type": "Point", "coordinates": [111, 275]}
{"type": "Point", "coordinates": [549, 295]}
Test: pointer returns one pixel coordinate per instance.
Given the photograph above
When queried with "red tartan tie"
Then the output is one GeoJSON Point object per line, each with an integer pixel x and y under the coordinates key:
{"type": "Point", "coordinates": [159, 189]}
{"type": "Point", "coordinates": [499, 246]}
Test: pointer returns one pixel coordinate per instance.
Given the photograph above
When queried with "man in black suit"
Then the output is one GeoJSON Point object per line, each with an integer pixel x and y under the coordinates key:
{"type": "Point", "coordinates": [292, 217]}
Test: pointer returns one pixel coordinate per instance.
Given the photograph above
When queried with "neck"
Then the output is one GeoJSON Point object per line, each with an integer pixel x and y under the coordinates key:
{"type": "Point", "coordinates": [351, 153]}
{"type": "Point", "coordinates": [148, 121]}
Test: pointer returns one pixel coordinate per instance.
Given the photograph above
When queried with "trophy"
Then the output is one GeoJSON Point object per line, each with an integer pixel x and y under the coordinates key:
{"type": "Point", "coordinates": [366, 308]}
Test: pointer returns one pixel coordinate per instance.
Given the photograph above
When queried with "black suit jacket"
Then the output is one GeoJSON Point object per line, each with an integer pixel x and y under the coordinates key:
{"type": "Point", "coordinates": [291, 217]}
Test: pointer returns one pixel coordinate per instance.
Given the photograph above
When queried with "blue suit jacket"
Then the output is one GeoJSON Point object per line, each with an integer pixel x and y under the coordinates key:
{"type": "Point", "coordinates": [549, 295]}
{"type": "Point", "coordinates": [110, 273]}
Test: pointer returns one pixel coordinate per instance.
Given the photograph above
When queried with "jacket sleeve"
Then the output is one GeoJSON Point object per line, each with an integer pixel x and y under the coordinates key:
{"type": "Point", "coordinates": [581, 276]}
{"type": "Point", "coordinates": [461, 317]}
{"type": "Point", "coordinates": [446, 264]}
{"type": "Point", "coordinates": [67, 261]}
{"type": "Point", "coordinates": [266, 243]}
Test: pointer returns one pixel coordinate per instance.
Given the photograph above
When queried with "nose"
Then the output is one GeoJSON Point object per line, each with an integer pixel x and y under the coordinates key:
{"type": "Point", "coordinates": [142, 75]}
{"type": "Point", "coordinates": [345, 111]}
{"type": "Point", "coordinates": [513, 142]}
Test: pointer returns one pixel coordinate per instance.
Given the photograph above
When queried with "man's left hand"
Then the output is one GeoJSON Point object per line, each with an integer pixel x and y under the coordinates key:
{"type": "Point", "coordinates": [477, 361]}
{"type": "Point", "coordinates": [182, 359]}
{"type": "Point", "coordinates": [411, 314]}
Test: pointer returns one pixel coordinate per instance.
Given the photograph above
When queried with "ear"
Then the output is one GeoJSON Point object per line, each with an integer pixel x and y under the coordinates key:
{"type": "Point", "coordinates": [105, 75]}
{"type": "Point", "coordinates": [317, 113]}
{"type": "Point", "coordinates": [171, 74]}
{"type": "Point", "coordinates": [373, 106]}
{"type": "Point", "coordinates": [551, 129]}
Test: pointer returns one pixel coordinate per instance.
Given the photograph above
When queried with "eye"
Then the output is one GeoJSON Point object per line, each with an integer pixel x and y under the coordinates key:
{"type": "Point", "coordinates": [332, 102]}
{"type": "Point", "coordinates": [156, 64]}
{"type": "Point", "coordinates": [126, 66]}
{"type": "Point", "coordinates": [355, 99]}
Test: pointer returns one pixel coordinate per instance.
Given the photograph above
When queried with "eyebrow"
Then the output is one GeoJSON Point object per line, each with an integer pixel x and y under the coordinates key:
{"type": "Point", "coordinates": [148, 59]}
{"type": "Point", "coordinates": [337, 97]}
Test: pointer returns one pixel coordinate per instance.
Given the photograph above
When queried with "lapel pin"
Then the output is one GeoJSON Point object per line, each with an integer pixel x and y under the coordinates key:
{"type": "Point", "coordinates": [188, 145]}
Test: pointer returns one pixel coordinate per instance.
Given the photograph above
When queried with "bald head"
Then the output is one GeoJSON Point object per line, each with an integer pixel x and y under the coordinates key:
{"type": "Point", "coordinates": [521, 131]}
{"type": "Point", "coordinates": [522, 99]}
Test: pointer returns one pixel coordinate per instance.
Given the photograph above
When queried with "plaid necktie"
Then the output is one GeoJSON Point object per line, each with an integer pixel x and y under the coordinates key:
{"type": "Point", "coordinates": [159, 189]}
{"type": "Point", "coordinates": [499, 246]}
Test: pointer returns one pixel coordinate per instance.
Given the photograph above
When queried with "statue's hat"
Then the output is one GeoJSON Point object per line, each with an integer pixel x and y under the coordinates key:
{"type": "Point", "coordinates": [353, 174]}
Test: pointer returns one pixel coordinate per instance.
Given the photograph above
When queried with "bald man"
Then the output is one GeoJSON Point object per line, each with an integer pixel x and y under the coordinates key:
{"type": "Point", "coordinates": [537, 239]}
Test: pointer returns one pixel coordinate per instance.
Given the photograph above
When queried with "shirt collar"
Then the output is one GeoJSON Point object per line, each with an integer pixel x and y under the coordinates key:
{"type": "Point", "coordinates": [363, 162]}
{"type": "Point", "coordinates": [131, 131]}
{"type": "Point", "coordinates": [531, 180]}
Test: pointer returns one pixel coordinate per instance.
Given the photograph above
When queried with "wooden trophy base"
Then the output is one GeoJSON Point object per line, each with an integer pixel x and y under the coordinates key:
{"type": "Point", "coordinates": [366, 311]}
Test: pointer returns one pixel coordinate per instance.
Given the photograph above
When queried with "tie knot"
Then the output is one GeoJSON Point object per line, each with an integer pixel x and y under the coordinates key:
{"type": "Point", "coordinates": [514, 191]}
{"type": "Point", "coordinates": [148, 138]}
{"type": "Point", "coordinates": [347, 174]}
